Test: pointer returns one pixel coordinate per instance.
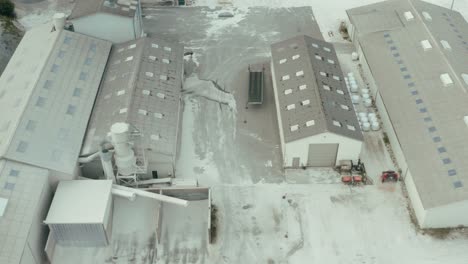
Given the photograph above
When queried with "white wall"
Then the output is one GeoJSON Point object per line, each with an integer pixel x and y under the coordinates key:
{"type": "Point", "coordinates": [416, 202]}
{"type": "Point", "coordinates": [452, 215]}
{"type": "Point", "coordinates": [348, 148]}
{"type": "Point", "coordinates": [106, 26]}
{"type": "Point", "coordinates": [278, 116]}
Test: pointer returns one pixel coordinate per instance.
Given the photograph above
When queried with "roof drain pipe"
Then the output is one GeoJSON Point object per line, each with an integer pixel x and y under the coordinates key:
{"type": "Point", "coordinates": [142, 193]}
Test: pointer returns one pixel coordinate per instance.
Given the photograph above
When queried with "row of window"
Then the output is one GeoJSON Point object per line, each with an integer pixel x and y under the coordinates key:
{"type": "Point", "coordinates": [312, 123]}
{"type": "Point", "coordinates": [143, 112]}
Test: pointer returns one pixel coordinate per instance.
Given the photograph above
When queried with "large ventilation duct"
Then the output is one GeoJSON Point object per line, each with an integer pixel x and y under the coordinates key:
{"type": "Point", "coordinates": [125, 159]}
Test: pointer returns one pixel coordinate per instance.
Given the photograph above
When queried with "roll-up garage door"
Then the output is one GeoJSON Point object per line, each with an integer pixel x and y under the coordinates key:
{"type": "Point", "coordinates": [322, 155]}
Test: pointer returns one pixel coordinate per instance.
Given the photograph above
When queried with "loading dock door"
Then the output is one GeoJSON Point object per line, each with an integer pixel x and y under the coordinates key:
{"type": "Point", "coordinates": [322, 155]}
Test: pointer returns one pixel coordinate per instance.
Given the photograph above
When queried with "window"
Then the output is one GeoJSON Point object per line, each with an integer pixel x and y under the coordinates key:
{"type": "Point", "coordinates": [294, 128]}
{"type": "Point", "coordinates": [427, 16]}
{"type": "Point", "coordinates": [83, 76]}
{"type": "Point", "coordinates": [291, 107]}
{"type": "Point", "coordinates": [31, 125]}
{"type": "Point", "coordinates": [350, 127]}
{"type": "Point", "coordinates": [123, 111]}
{"type": "Point", "coordinates": [288, 91]}
{"type": "Point", "coordinates": [285, 77]}
{"type": "Point", "coordinates": [326, 87]}
{"type": "Point", "coordinates": [67, 40]}
{"type": "Point", "coordinates": [154, 45]}
{"type": "Point", "coordinates": [408, 15]}
{"type": "Point", "coordinates": [153, 58]}
{"type": "Point", "coordinates": [40, 101]}
{"type": "Point", "coordinates": [121, 92]}
{"type": "Point", "coordinates": [14, 173]}
{"type": "Point", "coordinates": [331, 61]}
{"type": "Point", "coordinates": [318, 57]}
{"type": "Point", "coordinates": [441, 150]}
{"type": "Point", "coordinates": [310, 123]}
{"type": "Point", "coordinates": [54, 68]}
{"type": "Point", "coordinates": [305, 102]}
{"type": "Point", "coordinates": [302, 87]}
{"type": "Point", "coordinates": [47, 84]}
{"type": "Point", "coordinates": [163, 77]}
{"type": "Point", "coordinates": [166, 61]}
{"type": "Point", "coordinates": [22, 147]}
{"type": "Point", "coordinates": [142, 112]}
{"type": "Point", "coordinates": [339, 91]}
{"type": "Point", "coordinates": [9, 186]}
{"type": "Point", "coordinates": [129, 58]}
{"type": "Point", "coordinates": [161, 95]}
{"type": "Point", "coordinates": [77, 92]}
{"type": "Point", "coordinates": [295, 57]}
{"type": "Point", "coordinates": [336, 123]}
{"type": "Point", "coordinates": [88, 61]}
{"type": "Point", "coordinates": [457, 184]}
{"type": "Point", "coordinates": [446, 45]}
{"type": "Point", "coordinates": [315, 45]}
{"type": "Point", "coordinates": [61, 54]}
{"type": "Point", "coordinates": [326, 49]}
{"type": "Point", "coordinates": [299, 73]}
{"type": "Point", "coordinates": [426, 45]}
{"type": "Point", "coordinates": [446, 79]}
{"type": "Point", "coordinates": [92, 47]}
{"type": "Point", "coordinates": [132, 46]}
{"type": "Point", "coordinates": [158, 115]}
{"type": "Point", "coordinates": [149, 74]}
{"type": "Point", "coordinates": [71, 110]}
{"type": "Point", "coordinates": [167, 48]}
{"type": "Point", "coordinates": [324, 74]}
{"type": "Point", "coordinates": [336, 77]}
{"type": "Point", "coordinates": [344, 107]}
{"type": "Point", "coordinates": [146, 92]}
{"type": "Point", "coordinates": [283, 61]}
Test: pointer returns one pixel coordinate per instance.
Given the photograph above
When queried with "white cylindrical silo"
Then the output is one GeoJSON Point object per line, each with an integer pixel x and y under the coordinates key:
{"type": "Point", "coordinates": [372, 115]}
{"type": "Point", "coordinates": [124, 156]}
{"type": "Point", "coordinates": [365, 126]}
{"type": "Point", "coordinates": [59, 21]}
{"type": "Point", "coordinates": [367, 102]}
{"type": "Point", "coordinates": [373, 119]}
{"type": "Point", "coordinates": [375, 126]}
{"type": "Point", "coordinates": [362, 114]}
{"type": "Point", "coordinates": [365, 91]}
{"type": "Point", "coordinates": [365, 96]}
{"type": "Point", "coordinates": [355, 98]}
{"type": "Point", "coordinates": [364, 119]}
{"type": "Point", "coordinates": [354, 88]}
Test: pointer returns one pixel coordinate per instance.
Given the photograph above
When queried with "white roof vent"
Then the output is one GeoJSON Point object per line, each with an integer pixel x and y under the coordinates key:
{"type": "Point", "coordinates": [350, 127]}
{"type": "Point", "coordinates": [409, 16]}
{"type": "Point", "coordinates": [323, 74]}
{"type": "Point", "coordinates": [155, 137]}
{"type": "Point", "coordinates": [3, 205]}
{"type": "Point", "coordinates": [151, 57]}
{"type": "Point", "coordinates": [161, 95]}
{"type": "Point", "coordinates": [344, 107]}
{"type": "Point", "coordinates": [167, 49]}
{"type": "Point", "coordinates": [294, 128]}
{"type": "Point", "coordinates": [426, 45]}
{"type": "Point", "coordinates": [331, 61]}
{"type": "Point", "coordinates": [300, 73]}
{"type": "Point", "coordinates": [146, 92]}
{"type": "Point", "coordinates": [142, 112]}
{"type": "Point", "coordinates": [336, 123]}
{"type": "Point", "coordinates": [465, 78]}
{"type": "Point", "coordinates": [305, 102]}
{"type": "Point", "coordinates": [287, 91]}
{"type": "Point", "coordinates": [123, 111]}
{"type": "Point", "coordinates": [132, 46]}
{"type": "Point", "coordinates": [302, 87]}
{"type": "Point", "coordinates": [158, 115]}
{"type": "Point", "coordinates": [427, 16]}
{"type": "Point", "coordinates": [315, 45]}
{"type": "Point", "coordinates": [336, 77]}
{"type": "Point", "coordinates": [129, 58]}
{"type": "Point", "coordinates": [446, 79]}
{"type": "Point", "coordinates": [446, 45]}
{"type": "Point", "coordinates": [291, 107]}
{"type": "Point", "coordinates": [326, 49]}
{"type": "Point", "coordinates": [149, 74]}
{"type": "Point", "coordinates": [166, 61]}
{"type": "Point", "coordinates": [339, 91]}
{"type": "Point", "coordinates": [310, 123]}
{"type": "Point", "coordinates": [121, 92]}
{"type": "Point", "coordinates": [285, 77]}
{"type": "Point", "coordinates": [163, 77]}
{"type": "Point", "coordinates": [318, 57]}
{"type": "Point", "coordinates": [326, 87]}
{"type": "Point", "coordinates": [283, 61]}
{"type": "Point", "coordinates": [154, 45]}
{"type": "Point", "coordinates": [295, 57]}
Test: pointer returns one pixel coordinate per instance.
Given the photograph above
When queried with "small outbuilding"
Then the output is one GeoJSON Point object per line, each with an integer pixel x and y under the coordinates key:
{"type": "Point", "coordinates": [317, 122]}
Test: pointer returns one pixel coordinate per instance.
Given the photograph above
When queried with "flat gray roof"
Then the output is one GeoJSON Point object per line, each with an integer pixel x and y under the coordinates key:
{"type": "Point", "coordinates": [25, 187]}
{"type": "Point", "coordinates": [428, 117]}
{"type": "Point", "coordinates": [83, 8]}
{"type": "Point", "coordinates": [141, 86]}
{"type": "Point", "coordinates": [311, 90]}
{"type": "Point", "coordinates": [48, 89]}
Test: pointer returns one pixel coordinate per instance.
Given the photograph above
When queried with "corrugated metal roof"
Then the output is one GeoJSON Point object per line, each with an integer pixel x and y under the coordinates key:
{"type": "Point", "coordinates": [142, 86]}
{"type": "Point", "coordinates": [49, 109]}
{"type": "Point", "coordinates": [125, 8]}
{"type": "Point", "coordinates": [426, 115]}
{"type": "Point", "coordinates": [312, 95]}
{"type": "Point", "coordinates": [23, 186]}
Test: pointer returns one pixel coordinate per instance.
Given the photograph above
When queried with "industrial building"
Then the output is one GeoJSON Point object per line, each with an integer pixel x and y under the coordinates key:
{"type": "Point", "coordinates": [48, 90]}
{"type": "Point", "coordinates": [415, 57]}
{"type": "Point", "coordinates": [113, 20]}
{"type": "Point", "coordinates": [142, 87]}
{"type": "Point", "coordinates": [317, 122]}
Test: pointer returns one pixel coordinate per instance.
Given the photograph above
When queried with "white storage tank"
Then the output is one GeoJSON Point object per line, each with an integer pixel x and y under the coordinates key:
{"type": "Point", "coordinates": [365, 126]}
{"type": "Point", "coordinates": [364, 119]}
{"type": "Point", "coordinates": [354, 88]}
{"type": "Point", "coordinates": [368, 103]}
{"type": "Point", "coordinates": [355, 99]}
{"type": "Point", "coordinates": [365, 91]}
{"type": "Point", "coordinates": [372, 115]}
{"type": "Point", "coordinates": [362, 114]}
{"type": "Point", "coordinates": [375, 126]}
{"type": "Point", "coordinates": [365, 96]}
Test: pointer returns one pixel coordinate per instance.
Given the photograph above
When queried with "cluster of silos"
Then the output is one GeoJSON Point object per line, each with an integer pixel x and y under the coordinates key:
{"type": "Point", "coordinates": [368, 121]}
{"type": "Point", "coordinates": [354, 89]}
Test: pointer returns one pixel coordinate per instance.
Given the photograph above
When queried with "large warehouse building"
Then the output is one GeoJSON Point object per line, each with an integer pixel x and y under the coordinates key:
{"type": "Point", "coordinates": [416, 53]}
{"type": "Point", "coordinates": [317, 123]}
{"type": "Point", "coordinates": [47, 93]}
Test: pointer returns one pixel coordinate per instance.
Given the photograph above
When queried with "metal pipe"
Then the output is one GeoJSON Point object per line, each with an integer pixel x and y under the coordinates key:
{"type": "Point", "coordinates": [106, 162]}
{"type": "Point", "coordinates": [124, 194]}
{"type": "Point", "coordinates": [89, 158]}
{"type": "Point", "coordinates": [155, 196]}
